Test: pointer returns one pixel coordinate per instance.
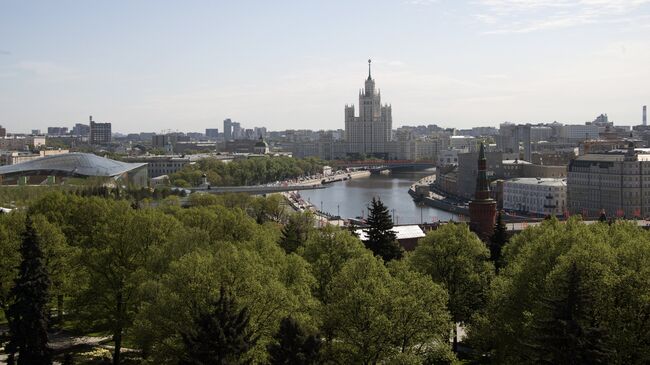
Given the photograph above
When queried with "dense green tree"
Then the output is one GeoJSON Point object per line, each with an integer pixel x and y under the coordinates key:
{"type": "Point", "coordinates": [421, 321]}
{"type": "Point", "coordinates": [293, 345]}
{"type": "Point", "coordinates": [565, 328]}
{"type": "Point", "coordinates": [357, 320]}
{"type": "Point", "coordinates": [271, 284]}
{"type": "Point", "coordinates": [296, 231]}
{"type": "Point", "coordinates": [27, 313]}
{"type": "Point", "coordinates": [612, 260]}
{"type": "Point", "coordinates": [60, 260]}
{"type": "Point", "coordinates": [267, 209]}
{"type": "Point", "coordinates": [496, 242]}
{"type": "Point", "coordinates": [455, 258]}
{"type": "Point", "coordinates": [115, 261]}
{"type": "Point", "coordinates": [327, 250]}
{"type": "Point", "coordinates": [381, 238]}
{"type": "Point", "coordinates": [373, 316]}
{"type": "Point", "coordinates": [626, 305]}
{"type": "Point", "coordinates": [245, 171]}
{"type": "Point", "coordinates": [11, 226]}
{"type": "Point", "coordinates": [220, 335]}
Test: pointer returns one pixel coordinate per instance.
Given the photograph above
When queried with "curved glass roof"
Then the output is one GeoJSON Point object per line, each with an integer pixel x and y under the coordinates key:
{"type": "Point", "coordinates": [84, 164]}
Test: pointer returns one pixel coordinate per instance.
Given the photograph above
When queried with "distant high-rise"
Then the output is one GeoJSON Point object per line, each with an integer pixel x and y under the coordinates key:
{"type": "Point", "coordinates": [3, 132]}
{"type": "Point", "coordinates": [100, 133]}
{"type": "Point", "coordinates": [645, 115]}
{"type": "Point", "coordinates": [81, 130]}
{"type": "Point", "coordinates": [227, 129]}
{"type": "Point", "coordinates": [236, 131]}
{"type": "Point", "coordinates": [212, 133]}
{"type": "Point", "coordinates": [57, 131]}
{"type": "Point", "coordinates": [371, 130]}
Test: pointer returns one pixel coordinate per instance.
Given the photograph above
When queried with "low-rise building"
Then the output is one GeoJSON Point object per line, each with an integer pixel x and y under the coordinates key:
{"type": "Point", "coordinates": [161, 165]}
{"type": "Point", "coordinates": [447, 183]}
{"type": "Point", "coordinates": [15, 157]}
{"type": "Point", "coordinates": [25, 143]}
{"type": "Point", "coordinates": [539, 196]}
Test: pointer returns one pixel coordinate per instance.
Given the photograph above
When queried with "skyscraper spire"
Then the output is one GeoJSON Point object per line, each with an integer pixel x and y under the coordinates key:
{"type": "Point", "coordinates": [369, 60]}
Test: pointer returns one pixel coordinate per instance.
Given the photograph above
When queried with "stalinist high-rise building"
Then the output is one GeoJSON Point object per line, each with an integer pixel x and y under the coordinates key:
{"type": "Point", "coordinates": [370, 132]}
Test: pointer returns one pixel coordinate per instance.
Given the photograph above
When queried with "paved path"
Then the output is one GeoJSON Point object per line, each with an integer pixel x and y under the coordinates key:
{"type": "Point", "coordinates": [61, 341]}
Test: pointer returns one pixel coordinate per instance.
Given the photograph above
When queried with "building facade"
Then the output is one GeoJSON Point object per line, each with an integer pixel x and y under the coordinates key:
{"type": "Point", "coordinates": [21, 143]}
{"type": "Point", "coordinates": [540, 196]}
{"type": "Point", "coordinates": [57, 131]}
{"type": "Point", "coordinates": [468, 171]}
{"type": "Point", "coordinates": [161, 165]}
{"type": "Point", "coordinates": [212, 133]}
{"type": "Point", "coordinates": [616, 183]}
{"type": "Point", "coordinates": [577, 132]}
{"type": "Point", "coordinates": [369, 132]}
{"type": "Point", "coordinates": [227, 129]}
{"type": "Point", "coordinates": [81, 130]}
{"type": "Point", "coordinates": [100, 133]}
{"type": "Point", "coordinates": [467, 143]}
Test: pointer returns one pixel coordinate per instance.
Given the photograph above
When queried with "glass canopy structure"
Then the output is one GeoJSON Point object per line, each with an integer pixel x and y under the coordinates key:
{"type": "Point", "coordinates": [76, 165]}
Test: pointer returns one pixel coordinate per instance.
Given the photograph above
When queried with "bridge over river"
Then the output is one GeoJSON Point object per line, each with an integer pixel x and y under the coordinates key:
{"type": "Point", "coordinates": [385, 164]}
{"type": "Point", "coordinates": [257, 189]}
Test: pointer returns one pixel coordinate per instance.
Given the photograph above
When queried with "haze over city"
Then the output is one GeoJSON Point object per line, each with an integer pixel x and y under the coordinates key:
{"type": "Point", "coordinates": [157, 65]}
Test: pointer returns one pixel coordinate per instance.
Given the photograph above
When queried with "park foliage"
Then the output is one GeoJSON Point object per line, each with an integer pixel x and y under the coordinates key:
{"type": "Point", "coordinates": [163, 278]}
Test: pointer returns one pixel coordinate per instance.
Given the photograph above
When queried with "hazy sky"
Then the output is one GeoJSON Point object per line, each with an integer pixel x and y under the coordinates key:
{"type": "Point", "coordinates": [150, 65]}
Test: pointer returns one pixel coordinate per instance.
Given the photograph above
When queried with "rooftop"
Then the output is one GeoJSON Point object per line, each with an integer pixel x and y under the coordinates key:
{"type": "Point", "coordinates": [515, 162]}
{"type": "Point", "coordinates": [546, 181]}
{"type": "Point", "coordinates": [82, 164]}
{"type": "Point", "coordinates": [402, 232]}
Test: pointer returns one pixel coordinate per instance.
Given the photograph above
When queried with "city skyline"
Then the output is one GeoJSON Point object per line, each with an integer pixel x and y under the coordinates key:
{"type": "Point", "coordinates": [188, 67]}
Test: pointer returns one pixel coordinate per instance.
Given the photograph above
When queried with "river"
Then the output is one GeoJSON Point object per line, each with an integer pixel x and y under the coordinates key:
{"type": "Point", "coordinates": [351, 198]}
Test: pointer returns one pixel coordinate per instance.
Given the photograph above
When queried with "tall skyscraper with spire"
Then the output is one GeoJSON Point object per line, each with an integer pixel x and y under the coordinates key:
{"type": "Point", "coordinates": [369, 132]}
{"type": "Point", "coordinates": [482, 209]}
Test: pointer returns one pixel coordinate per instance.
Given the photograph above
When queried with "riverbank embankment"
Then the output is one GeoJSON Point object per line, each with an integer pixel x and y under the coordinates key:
{"type": "Point", "coordinates": [421, 192]}
{"type": "Point", "coordinates": [300, 205]}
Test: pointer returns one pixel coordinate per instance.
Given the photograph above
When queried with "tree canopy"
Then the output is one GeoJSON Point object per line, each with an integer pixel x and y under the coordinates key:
{"type": "Point", "coordinates": [152, 278]}
{"type": "Point", "coordinates": [589, 279]}
{"type": "Point", "coordinates": [252, 171]}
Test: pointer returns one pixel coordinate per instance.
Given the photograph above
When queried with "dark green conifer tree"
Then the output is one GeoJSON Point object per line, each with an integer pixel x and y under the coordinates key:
{"type": "Point", "coordinates": [381, 238]}
{"type": "Point", "coordinates": [27, 313]}
{"type": "Point", "coordinates": [498, 239]}
{"type": "Point", "coordinates": [565, 328]}
{"type": "Point", "coordinates": [220, 335]}
{"type": "Point", "coordinates": [295, 232]}
{"type": "Point", "coordinates": [294, 346]}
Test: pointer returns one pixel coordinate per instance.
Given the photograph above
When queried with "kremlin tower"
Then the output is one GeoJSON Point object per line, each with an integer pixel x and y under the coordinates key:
{"type": "Point", "coordinates": [482, 209]}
